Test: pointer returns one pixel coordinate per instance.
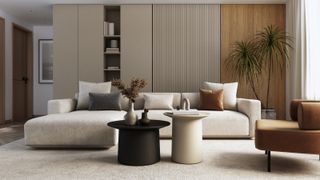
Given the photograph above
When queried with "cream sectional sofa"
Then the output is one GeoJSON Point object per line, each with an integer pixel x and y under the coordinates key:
{"type": "Point", "coordinates": [66, 127]}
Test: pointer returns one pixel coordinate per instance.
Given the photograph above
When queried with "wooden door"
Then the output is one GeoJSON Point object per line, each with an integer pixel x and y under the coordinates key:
{"type": "Point", "coordinates": [20, 76]}
{"type": "Point", "coordinates": [2, 50]}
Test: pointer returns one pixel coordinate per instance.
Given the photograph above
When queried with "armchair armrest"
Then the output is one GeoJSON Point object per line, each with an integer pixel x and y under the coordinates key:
{"type": "Point", "coordinates": [58, 106]}
{"type": "Point", "coordinates": [251, 108]}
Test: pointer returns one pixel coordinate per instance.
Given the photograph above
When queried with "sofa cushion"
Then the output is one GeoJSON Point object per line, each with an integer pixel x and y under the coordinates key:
{"type": "Point", "coordinates": [211, 100]}
{"type": "Point", "coordinates": [87, 87]}
{"type": "Point", "coordinates": [229, 90]}
{"type": "Point", "coordinates": [139, 101]}
{"type": "Point", "coordinates": [294, 107]}
{"type": "Point", "coordinates": [104, 101]}
{"type": "Point", "coordinates": [158, 101]}
{"type": "Point", "coordinates": [309, 116]}
{"type": "Point", "coordinates": [285, 136]}
{"type": "Point", "coordinates": [77, 128]}
{"type": "Point", "coordinates": [218, 124]}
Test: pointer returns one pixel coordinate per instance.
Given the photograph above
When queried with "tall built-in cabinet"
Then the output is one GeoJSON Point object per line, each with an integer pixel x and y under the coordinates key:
{"type": "Point", "coordinates": [77, 48]}
{"type": "Point", "coordinates": [136, 43]}
{"type": "Point", "coordinates": [82, 43]}
{"type": "Point", "coordinates": [65, 50]}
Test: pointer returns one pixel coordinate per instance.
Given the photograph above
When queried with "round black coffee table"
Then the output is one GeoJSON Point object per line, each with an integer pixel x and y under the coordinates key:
{"type": "Point", "coordinates": [139, 144]}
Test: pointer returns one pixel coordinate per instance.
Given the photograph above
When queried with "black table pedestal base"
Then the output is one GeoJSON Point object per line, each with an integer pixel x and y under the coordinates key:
{"type": "Point", "coordinates": [137, 147]}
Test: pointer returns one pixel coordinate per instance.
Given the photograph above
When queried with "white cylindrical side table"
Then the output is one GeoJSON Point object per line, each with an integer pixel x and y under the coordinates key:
{"type": "Point", "coordinates": [187, 138]}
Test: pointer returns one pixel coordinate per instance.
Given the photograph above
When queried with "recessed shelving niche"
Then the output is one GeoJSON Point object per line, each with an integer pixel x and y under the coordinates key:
{"type": "Point", "coordinates": [112, 51]}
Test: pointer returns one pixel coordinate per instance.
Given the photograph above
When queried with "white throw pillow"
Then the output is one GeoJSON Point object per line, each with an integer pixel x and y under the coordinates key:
{"type": "Point", "coordinates": [88, 87]}
{"type": "Point", "coordinates": [229, 93]}
{"type": "Point", "coordinates": [158, 101]}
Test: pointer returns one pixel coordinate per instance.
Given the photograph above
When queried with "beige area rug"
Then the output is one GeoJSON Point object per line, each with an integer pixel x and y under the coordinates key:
{"type": "Point", "coordinates": [222, 159]}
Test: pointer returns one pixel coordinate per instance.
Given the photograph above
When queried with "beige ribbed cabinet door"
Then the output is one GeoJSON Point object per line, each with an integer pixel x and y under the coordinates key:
{"type": "Point", "coordinates": [136, 43]}
{"type": "Point", "coordinates": [203, 45]}
{"type": "Point", "coordinates": [65, 51]}
{"type": "Point", "coordinates": [169, 48]}
{"type": "Point", "coordinates": [186, 46]}
{"type": "Point", "coordinates": [90, 57]}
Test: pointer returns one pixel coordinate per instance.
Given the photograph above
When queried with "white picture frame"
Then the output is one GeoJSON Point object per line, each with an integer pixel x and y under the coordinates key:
{"type": "Point", "coordinates": [45, 56]}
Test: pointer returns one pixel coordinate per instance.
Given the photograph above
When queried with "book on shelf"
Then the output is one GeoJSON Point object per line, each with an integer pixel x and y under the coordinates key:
{"type": "Point", "coordinates": [112, 49]}
{"type": "Point", "coordinates": [185, 112]}
{"type": "Point", "coordinates": [113, 67]}
{"type": "Point", "coordinates": [105, 28]}
{"type": "Point", "coordinates": [108, 28]}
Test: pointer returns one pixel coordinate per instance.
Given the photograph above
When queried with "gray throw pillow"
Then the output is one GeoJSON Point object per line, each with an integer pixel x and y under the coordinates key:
{"type": "Point", "coordinates": [104, 101]}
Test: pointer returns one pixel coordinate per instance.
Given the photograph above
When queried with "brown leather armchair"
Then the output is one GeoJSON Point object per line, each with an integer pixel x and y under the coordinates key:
{"type": "Point", "coordinates": [301, 135]}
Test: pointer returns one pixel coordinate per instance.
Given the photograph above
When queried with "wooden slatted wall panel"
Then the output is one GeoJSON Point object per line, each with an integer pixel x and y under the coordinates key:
{"type": "Point", "coordinates": [185, 46]}
{"type": "Point", "coordinates": [240, 22]}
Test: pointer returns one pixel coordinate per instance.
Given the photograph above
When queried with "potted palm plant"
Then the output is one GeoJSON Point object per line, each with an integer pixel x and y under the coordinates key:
{"type": "Point", "coordinates": [266, 51]}
{"type": "Point", "coordinates": [272, 45]}
{"type": "Point", "coordinates": [245, 64]}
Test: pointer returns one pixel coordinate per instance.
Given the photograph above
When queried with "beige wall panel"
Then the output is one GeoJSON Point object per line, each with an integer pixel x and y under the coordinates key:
{"type": "Point", "coordinates": [90, 53]}
{"type": "Point", "coordinates": [136, 43]}
{"type": "Point", "coordinates": [240, 22]}
{"type": "Point", "coordinates": [65, 50]}
{"type": "Point", "coordinates": [2, 58]}
{"type": "Point", "coordinates": [185, 46]}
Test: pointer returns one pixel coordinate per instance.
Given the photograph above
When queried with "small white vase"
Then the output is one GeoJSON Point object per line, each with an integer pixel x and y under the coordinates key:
{"type": "Point", "coordinates": [131, 117]}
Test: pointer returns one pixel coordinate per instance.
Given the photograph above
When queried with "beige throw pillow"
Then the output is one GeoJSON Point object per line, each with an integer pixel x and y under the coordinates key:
{"type": "Point", "coordinates": [158, 101]}
{"type": "Point", "coordinates": [88, 87]}
{"type": "Point", "coordinates": [229, 93]}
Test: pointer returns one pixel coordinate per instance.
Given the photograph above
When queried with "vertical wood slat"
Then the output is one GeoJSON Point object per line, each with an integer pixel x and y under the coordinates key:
{"type": "Point", "coordinates": [241, 22]}
{"type": "Point", "coordinates": [65, 51]}
{"type": "Point", "coordinates": [136, 43]}
{"type": "Point", "coordinates": [90, 43]}
{"type": "Point", "coordinates": [185, 46]}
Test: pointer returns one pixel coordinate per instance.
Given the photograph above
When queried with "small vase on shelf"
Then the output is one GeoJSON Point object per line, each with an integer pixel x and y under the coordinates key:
{"type": "Point", "coordinates": [131, 117]}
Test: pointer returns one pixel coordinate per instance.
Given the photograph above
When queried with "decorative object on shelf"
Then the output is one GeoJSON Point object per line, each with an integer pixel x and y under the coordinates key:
{"type": "Point", "coordinates": [111, 28]}
{"type": "Point", "coordinates": [131, 92]}
{"type": "Point", "coordinates": [114, 43]}
{"type": "Point", "coordinates": [267, 51]}
{"type": "Point", "coordinates": [144, 117]}
{"type": "Point", "coordinates": [45, 48]}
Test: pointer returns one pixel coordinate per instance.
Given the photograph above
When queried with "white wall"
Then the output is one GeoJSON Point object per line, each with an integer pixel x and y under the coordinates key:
{"type": "Point", "coordinates": [8, 59]}
{"type": "Point", "coordinates": [41, 92]}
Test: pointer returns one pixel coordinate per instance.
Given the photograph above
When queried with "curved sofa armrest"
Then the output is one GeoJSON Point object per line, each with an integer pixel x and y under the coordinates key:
{"type": "Point", "coordinates": [251, 108]}
{"type": "Point", "coordinates": [58, 106]}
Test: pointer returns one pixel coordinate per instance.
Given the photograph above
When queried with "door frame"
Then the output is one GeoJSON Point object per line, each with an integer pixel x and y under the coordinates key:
{"type": "Point", "coordinates": [2, 73]}
{"type": "Point", "coordinates": [29, 69]}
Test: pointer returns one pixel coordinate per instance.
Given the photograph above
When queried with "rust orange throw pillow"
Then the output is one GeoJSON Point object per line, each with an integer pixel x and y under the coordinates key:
{"type": "Point", "coordinates": [211, 100]}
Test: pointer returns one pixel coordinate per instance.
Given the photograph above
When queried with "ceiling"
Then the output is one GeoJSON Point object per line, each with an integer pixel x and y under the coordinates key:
{"type": "Point", "coordinates": [39, 12]}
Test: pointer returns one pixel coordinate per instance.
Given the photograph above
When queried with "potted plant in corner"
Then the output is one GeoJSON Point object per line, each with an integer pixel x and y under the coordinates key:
{"type": "Point", "coordinates": [131, 92]}
{"type": "Point", "coordinates": [268, 50]}
{"type": "Point", "coordinates": [272, 45]}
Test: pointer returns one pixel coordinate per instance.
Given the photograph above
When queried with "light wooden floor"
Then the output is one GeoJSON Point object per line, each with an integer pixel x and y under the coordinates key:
{"type": "Point", "coordinates": [11, 132]}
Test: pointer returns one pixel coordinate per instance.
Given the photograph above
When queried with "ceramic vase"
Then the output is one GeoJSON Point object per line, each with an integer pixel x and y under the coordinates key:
{"type": "Point", "coordinates": [131, 117]}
